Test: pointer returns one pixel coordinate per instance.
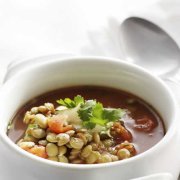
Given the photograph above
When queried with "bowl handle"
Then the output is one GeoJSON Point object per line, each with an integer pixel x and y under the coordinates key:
{"type": "Point", "coordinates": [174, 85]}
{"type": "Point", "coordinates": [16, 66]}
{"type": "Point", "coordinates": [160, 176]}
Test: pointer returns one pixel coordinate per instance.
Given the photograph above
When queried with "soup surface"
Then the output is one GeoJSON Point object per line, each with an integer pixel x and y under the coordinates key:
{"type": "Point", "coordinates": [143, 125]}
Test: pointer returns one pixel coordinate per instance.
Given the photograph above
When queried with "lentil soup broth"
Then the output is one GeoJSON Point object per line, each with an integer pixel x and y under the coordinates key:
{"type": "Point", "coordinates": [143, 139]}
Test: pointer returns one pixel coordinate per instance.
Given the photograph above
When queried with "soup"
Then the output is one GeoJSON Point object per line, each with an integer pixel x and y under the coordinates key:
{"type": "Point", "coordinates": [86, 125]}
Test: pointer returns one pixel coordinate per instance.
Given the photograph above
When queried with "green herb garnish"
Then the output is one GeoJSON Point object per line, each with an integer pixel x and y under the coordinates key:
{"type": "Point", "coordinates": [69, 103]}
{"type": "Point", "coordinates": [91, 112]}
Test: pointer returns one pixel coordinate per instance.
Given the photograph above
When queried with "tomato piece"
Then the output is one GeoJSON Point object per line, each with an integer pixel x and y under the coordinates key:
{"type": "Point", "coordinates": [145, 124]}
{"type": "Point", "coordinates": [120, 133]}
{"type": "Point", "coordinates": [56, 125]}
{"type": "Point", "coordinates": [125, 134]}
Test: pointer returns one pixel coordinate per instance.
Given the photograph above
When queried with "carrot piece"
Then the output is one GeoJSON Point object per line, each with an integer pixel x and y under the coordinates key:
{"type": "Point", "coordinates": [38, 151]}
{"type": "Point", "coordinates": [67, 128]}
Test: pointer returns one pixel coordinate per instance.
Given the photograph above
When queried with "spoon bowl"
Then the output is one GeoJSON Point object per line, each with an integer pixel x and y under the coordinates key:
{"type": "Point", "coordinates": [147, 45]}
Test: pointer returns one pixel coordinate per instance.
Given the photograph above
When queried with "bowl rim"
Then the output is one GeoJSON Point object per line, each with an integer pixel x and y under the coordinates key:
{"type": "Point", "coordinates": [167, 137]}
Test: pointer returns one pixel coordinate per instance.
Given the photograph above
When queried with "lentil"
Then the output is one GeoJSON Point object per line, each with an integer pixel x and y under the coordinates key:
{"type": "Point", "coordinates": [41, 120]}
{"type": "Point", "coordinates": [123, 154]}
{"type": "Point", "coordinates": [63, 139]}
{"type": "Point", "coordinates": [38, 133]}
{"type": "Point", "coordinates": [76, 143]}
{"type": "Point", "coordinates": [51, 149]}
{"type": "Point", "coordinates": [63, 159]}
{"type": "Point", "coordinates": [51, 137]}
{"type": "Point", "coordinates": [62, 150]}
{"type": "Point", "coordinates": [86, 151]}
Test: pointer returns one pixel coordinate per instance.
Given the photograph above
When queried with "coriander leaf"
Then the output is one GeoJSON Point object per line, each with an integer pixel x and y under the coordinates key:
{"type": "Point", "coordinates": [85, 111]}
{"type": "Point", "coordinates": [112, 114]}
{"type": "Point", "coordinates": [66, 102]}
{"type": "Point", "coordinates": [61, 102]}
{"type": "Point", "coordinates": [69, 103]}
{"type": "Point", "coordinates": [89, 103]}
{"type": "Point", "coordinates": [99, 121]}
{"type": "Point", "coordinates": [98, 110]}
{"type": "Point", "coordinates": [92, 113]}
{"type": "Point", "coordinates": [89, 125]}
{"type": "Point", "coordinates": [78, 100]}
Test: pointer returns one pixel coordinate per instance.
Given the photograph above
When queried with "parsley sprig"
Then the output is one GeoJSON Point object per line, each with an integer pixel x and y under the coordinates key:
{"type": "Point", "coordinates": [69, 103]}
{"type": "Point", "coordinates": [91, 112]}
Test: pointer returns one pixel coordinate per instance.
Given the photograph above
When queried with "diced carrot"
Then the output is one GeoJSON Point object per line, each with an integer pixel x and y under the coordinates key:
{"type": "Point", "coordinates": [38, 151]}
{"type": "Point", "coordinates": [56, 125]}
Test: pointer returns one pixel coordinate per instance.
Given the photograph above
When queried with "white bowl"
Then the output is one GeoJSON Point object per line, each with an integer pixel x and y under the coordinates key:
{"type": "Point", "coordinates": [58, 72]}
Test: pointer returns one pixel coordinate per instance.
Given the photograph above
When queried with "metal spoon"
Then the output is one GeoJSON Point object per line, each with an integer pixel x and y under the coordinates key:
{"type": "Point", "coordinates": [147, 45]}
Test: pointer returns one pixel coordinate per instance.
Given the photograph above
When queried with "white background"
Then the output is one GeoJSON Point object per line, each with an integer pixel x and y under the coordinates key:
{"type": "Point", "coordinates": [30, 28]}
